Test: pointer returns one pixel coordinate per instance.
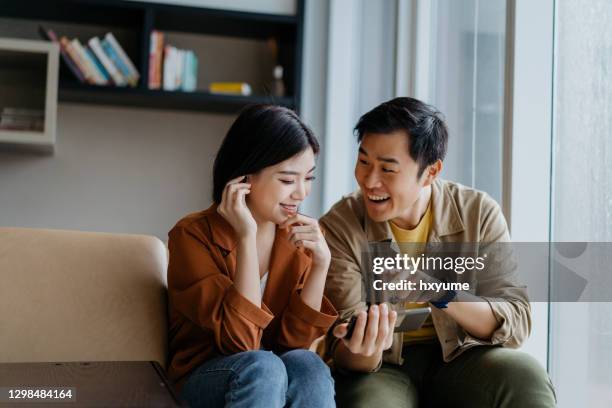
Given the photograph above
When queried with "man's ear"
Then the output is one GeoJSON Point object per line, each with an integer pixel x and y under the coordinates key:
{"type": "Point", "coordinates": [432, 172]}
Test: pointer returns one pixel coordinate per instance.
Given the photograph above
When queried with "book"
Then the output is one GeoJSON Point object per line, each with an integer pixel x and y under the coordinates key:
{"type": "Point", "coordinates": [78, 60]}
{"type": "Point", "coordinates": [190, 72]}
{"type": "Point", "coordinates": [156, 51]}
{"type": "Point", "coordinates": [98, 66]}
{"type": "Point", "coordinates": [118, 62]}
{"type": "Point", "coordinates": [169, 68]}
{"type": "Point", "coordinates": [89, 64]}
{"type": "Point", "coordinates": [230, 88]}
{"type": "Point", "coordinates": [179, 68]}
{"type": "Point", "coordinates": [72, 66]}
{"type": "Point", "coordinates": [96, 48]}
{"type": "Point", "coordinates": [132, 74]}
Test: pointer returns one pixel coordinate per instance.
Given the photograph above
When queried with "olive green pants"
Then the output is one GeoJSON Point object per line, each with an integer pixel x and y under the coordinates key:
{"type": "Point", "coordinates": [480, 377]}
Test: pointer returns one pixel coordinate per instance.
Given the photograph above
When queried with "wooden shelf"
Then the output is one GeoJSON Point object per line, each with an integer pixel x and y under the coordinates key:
{"type": "Point", "coordinates": [28, 80]}
{"type": "Point", "coordinates": [159, 99]}
{"type": "Point", "coordinates": [137, 19]}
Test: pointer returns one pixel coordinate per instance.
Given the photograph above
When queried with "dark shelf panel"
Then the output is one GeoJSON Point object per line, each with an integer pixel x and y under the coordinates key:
{"type": "Point", "coordinates": [105, 13]}
{"type": "Point", "coordinates": [158, 99]}
{"type": "Point", "coordinates": [139, 18]}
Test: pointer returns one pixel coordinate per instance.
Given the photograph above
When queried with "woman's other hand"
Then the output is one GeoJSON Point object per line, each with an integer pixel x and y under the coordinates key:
{"type": "Point", "coordinates": [305, 232]}
{"type": "Point", "coordinates": [234, 209]}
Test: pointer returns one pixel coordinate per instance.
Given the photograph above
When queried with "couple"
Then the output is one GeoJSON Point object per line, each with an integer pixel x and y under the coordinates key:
{"type": "Point", "coordinates": [253, 283]}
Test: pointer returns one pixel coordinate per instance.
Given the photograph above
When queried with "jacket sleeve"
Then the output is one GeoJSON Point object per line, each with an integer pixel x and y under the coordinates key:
{"type": "Point", "coordinates": [499, 286]}
{"type": "Point", "coordinates": [200, 291]}
{"type": "Point", "coordinates": [343, 285]}
{"type": "Point", "coordinates": [301, 325]}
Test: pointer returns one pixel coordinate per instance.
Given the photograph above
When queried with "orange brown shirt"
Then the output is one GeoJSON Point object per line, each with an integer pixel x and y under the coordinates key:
{"type": "Point", "coordinates": [208, 317]}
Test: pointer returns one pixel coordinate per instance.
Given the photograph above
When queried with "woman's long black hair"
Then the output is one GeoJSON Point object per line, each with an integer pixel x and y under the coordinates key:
{"type": "Point", "coordinates": [261, 136]}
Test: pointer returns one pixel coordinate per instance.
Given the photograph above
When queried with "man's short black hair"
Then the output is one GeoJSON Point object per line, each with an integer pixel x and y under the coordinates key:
{"type": "Point", "coordinates": [261, 136]}
{"type": "Point", "coordinates": [424, 125]}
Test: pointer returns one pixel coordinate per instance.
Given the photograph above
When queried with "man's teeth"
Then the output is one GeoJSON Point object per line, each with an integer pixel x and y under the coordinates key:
{"type": "Point", "coordinates": [377, 197]}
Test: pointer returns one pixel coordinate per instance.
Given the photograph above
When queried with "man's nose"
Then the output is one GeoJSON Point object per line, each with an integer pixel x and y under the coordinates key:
{"type": "Point", "coordinates": [372, 180]}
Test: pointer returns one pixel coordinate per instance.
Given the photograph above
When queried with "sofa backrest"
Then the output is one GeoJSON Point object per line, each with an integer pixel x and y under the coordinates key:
{"type": "Point", "coordinates": [81, 296]}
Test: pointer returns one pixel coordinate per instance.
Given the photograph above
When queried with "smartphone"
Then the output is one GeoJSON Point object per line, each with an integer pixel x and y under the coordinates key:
{"type": "Point", "coordinates": [409, 319]}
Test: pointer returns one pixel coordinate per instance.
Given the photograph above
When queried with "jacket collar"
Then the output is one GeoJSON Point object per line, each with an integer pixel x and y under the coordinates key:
{"type": "Point", "coordinates": [446, 217]}
{"type": "Point", "coordinates": [221, 231]}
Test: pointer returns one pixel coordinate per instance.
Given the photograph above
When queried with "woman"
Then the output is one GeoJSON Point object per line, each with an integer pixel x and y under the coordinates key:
{"type": "Point", "coordinates": [246, 276]}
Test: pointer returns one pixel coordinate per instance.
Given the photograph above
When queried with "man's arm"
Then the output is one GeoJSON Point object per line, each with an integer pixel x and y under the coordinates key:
{"type": "Point", "coordinates": [363, 351]}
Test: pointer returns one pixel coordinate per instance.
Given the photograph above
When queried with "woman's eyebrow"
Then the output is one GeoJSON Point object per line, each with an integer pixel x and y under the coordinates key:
{"type": "Point", "coordinates": [295, 173]}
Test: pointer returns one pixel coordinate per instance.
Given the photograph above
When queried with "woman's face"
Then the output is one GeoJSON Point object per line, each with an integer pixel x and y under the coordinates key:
{"type": "Point", "coordinates": [277, 191]}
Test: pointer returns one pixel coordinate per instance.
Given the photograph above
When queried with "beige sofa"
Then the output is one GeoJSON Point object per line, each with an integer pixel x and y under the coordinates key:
{"type": "Point", "coordinates": [81, 296]}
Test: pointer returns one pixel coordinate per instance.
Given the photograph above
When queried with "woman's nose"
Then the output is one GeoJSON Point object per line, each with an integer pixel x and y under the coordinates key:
{"type": "Point", "coordinates": [300, 191]}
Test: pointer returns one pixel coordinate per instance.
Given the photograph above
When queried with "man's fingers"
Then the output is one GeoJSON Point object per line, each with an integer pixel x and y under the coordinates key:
{"type": "Point", "coordinates": [341, 330]}
{"type": "Point", "coordinates": [354, 343]}
{"type": "Point", "coordinates": [369, 341]}
{"type": "Point", "coordinates": [383, 327]}
{"type": "Point", "coordinates": [392, 322]}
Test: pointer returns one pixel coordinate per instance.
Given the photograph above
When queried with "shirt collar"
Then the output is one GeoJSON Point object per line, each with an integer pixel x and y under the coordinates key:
{"type": "Point", "coordinates": [446, 218]}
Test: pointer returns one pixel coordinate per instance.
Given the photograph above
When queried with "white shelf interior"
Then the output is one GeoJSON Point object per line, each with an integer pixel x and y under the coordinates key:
{"type": "Point", "coordinates": [29, 80]}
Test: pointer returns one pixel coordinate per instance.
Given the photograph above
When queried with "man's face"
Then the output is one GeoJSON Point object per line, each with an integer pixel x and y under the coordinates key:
{"type": "Point", "coordinates": [387, 176]}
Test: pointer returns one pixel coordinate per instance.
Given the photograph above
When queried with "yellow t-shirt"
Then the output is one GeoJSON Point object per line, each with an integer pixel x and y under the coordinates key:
{"type": "Point", "coordinates": [418, 234]}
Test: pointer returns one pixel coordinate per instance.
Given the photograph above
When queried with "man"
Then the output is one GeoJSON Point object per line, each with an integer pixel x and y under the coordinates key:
{"type": "Point", "coordinates": [461, 356]}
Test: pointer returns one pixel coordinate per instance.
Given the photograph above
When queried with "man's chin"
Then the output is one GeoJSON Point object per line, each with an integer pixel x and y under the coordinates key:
{"type": "Point", "coordinates": [378, 216]}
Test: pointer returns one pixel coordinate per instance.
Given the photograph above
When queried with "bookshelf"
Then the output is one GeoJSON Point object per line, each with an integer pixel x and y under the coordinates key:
{"type": "Point", "coordinates": [213, 33]}
{"type": "Point", "coordinates": [28, 82]}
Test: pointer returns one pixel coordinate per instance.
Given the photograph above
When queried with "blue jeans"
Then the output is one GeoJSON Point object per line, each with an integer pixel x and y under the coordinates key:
{"type": "Point", "coordinates": [298, 378]}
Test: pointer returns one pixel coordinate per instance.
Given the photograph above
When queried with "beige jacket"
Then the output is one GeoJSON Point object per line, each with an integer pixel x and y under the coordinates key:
{"type": "Point", "coordinates": [460, 214]}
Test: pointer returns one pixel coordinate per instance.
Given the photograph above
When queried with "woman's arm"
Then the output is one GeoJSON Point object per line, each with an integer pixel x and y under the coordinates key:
{"type": "Point", "coordinates": [235, 211]}
{"type": "Point", "coordinates": [305, 232]}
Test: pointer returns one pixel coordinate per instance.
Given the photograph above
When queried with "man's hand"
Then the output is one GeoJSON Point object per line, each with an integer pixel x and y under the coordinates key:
{"type": "Point", "coordinates": [372, 335]}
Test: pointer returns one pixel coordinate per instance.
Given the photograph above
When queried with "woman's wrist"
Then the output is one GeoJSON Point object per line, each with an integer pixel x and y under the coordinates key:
{"type": "Point", "coordinates": [321, 265]}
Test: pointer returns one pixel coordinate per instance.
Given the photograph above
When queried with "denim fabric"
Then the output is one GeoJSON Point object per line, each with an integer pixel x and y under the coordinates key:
{"type": "Point", "coordinates": [298, 378]}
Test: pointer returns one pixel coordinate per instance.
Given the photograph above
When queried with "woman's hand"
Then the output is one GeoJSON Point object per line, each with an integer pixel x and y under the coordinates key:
{"type": "Point", "coordinates": [234, 209]}
{"type": "Point", "coordinates": [305, 232]}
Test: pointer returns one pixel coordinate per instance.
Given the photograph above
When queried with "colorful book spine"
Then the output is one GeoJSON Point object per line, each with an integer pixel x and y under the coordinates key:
{"type": "Point", "coordinates": [156, 50]}
{"type": "Point", "coordinates": [90, 66]}
{"type": "Point", "coordinates": [78, 60]}
{"type": "Point", "coordinates": [169, 68]}
{"type": "Point", "coordinates": [179, 68]}
{"type": "Point", "coordinates": [114, 57]}
{"type": "Point", "coordinates": [190, 74]}
{"type": "Point", "coordinates": [132, 74]}
{"type": "Point", "coordinates": [98, 65]}
{"type": "Point", "coordinates": [72, 66]}
{"type": "Point", "coordinates": [96, 48]}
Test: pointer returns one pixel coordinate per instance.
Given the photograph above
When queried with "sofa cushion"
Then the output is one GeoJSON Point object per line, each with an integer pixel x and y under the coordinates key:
{"type": "Point", "coordinates": [81, 296]}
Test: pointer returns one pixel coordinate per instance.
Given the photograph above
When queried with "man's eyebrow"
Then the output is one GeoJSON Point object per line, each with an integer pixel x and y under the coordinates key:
{"type": "Point", "coordinates": [384, 159]}
{"type": "Point", "coordinates": [295, 173]}
{"type": "Point", "coordinates": [388, 160]}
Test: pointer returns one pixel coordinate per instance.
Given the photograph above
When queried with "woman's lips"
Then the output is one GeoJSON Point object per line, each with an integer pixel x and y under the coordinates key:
{"type": "Point", "coordinates": [289, 208]}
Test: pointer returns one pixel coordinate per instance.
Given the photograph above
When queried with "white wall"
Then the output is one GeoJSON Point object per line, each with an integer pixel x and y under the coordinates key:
{"type": "Point", "coordinates": [114, 170]}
